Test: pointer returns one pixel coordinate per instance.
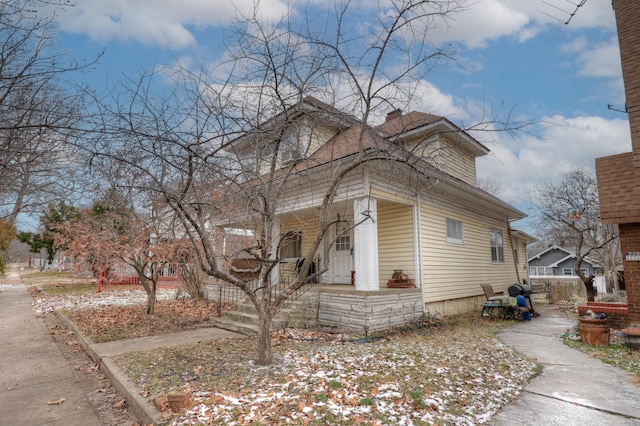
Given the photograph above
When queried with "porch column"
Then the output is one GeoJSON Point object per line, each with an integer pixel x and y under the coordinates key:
{"type": "Point", "coordinates": [275, 239]}
{"type": "Point", "coordinates": [365, 244]}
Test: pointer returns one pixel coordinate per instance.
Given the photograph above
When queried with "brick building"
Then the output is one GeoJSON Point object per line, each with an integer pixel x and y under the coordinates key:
{"type": "Point", "coordinates": [619, 175]}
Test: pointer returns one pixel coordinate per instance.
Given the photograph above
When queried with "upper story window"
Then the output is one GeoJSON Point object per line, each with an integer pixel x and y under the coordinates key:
{"type": "Point", "coordinates": [497, 246]}
{"type": "Point", "coordinates": [454, 231]}
{"type": "Point", "coordinates": [567, 271]}
{"type": "Point", "coordinates": [291, 145]}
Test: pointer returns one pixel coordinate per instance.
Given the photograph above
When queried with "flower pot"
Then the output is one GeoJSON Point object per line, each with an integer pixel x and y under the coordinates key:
{"type": "Point", "coordinates": [594, 332]}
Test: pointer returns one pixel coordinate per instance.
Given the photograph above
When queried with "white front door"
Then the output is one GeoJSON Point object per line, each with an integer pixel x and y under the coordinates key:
{"type": "Point", "coordinates": [342, 264]}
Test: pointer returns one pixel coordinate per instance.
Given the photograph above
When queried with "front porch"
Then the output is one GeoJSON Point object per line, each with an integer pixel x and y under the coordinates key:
{"type": "Point", "coordinates": [330, 307]}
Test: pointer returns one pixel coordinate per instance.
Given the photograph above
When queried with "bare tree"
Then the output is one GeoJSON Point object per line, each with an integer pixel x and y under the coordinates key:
{"type": "Point", "coordinates": [38, 109]}
{"type": "Point", "coordinates": [226, 151]}
{"type": "Point", "coordinates": [569, 215]}
{"type": "Point", "coordinates": [114, 230]}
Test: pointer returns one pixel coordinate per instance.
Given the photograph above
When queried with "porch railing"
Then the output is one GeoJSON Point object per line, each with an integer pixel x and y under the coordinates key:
{"type": "Point", "coordinates": [231, 294]}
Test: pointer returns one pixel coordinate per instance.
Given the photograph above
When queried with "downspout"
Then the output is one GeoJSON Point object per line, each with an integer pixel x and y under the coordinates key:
{"type": "Point", "coordinates": [419, 265]}
{"type": "Point", "coordinates": [513, 251]}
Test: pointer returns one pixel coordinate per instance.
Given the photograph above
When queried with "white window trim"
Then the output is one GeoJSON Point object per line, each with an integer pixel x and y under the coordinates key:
{"type": "Point", "coordinates": [564, 272]}
{"type": "Point", "coordinates": [497, 261]}
{"type": "Point", "coordinates": [452, 239]}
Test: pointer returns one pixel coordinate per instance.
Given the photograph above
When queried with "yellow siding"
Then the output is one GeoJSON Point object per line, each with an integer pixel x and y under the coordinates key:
{"type": "Point", "coordinates": [446, 154]}
{"type": "Point", "coordinates": [398, 197]}
{"type": "Point", "coordinates": [522, 260]}
{"type": "Point", "coordinates": [319, 135]}
{"type": "Point", "coordinates": [456, 270]}
{"type": "Point", "coordinates": [457, 161]}
{"type": "Point", "coordinates": [395, 240]}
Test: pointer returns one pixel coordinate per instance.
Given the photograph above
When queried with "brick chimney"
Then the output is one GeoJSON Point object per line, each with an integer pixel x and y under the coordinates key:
{"type": "Point", "coordinates": [394, 114]}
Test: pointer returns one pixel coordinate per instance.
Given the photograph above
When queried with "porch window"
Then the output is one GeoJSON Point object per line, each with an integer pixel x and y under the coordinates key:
{"type": "Point", "coordinates": [290, 245]}
{"type": "Point", "coordinates": [567, 271]}
{"type": "Point", "coordinates": [454, 231]}
{"type": "Point", "coordinates": [497, 246]}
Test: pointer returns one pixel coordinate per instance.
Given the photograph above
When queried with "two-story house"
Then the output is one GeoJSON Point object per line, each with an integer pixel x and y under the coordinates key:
{"type": "Point", "coordinates": [416, 209]}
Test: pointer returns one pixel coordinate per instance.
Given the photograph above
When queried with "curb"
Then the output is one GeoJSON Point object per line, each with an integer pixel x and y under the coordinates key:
{"type": "Point", "coordinates": [139, 406]}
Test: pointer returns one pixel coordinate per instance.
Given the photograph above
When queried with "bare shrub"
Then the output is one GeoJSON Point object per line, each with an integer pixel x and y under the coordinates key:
{"type": "Point", "coordinates": [193, 280]}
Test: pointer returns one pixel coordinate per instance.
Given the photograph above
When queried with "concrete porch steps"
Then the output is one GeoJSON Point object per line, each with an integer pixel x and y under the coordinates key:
{"type": "Point", "coordinates": [244, 317]}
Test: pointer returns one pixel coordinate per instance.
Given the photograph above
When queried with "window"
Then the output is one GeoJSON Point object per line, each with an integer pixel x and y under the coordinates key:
{"type": "Point", "coordinates": [584, 271]}
{"type": "Point", "coordinates": [291, 245]}
{"type": "Point", "coordinates": [343, 236]}
{"type": "Point", "coordinates": [514, 244]}
{"type": "Point", "coordinates": [290, 147]}
{"type": "Point", "coordinates": [454, 231]}
{"type": "Point", "coordinates": [497, 246]}
{"type": "Point", "coordinates": [567, 271]}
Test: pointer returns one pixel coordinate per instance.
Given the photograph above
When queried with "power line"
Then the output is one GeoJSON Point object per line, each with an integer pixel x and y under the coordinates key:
{"type": "Point", "coordinates": [565, 15]}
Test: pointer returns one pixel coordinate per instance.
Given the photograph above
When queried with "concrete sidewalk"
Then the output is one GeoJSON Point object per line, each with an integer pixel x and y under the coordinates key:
{"type": "Point", "coordinates": [101, 354]}
{"type": "Point", "coordinates": [573, 388]}
{"type": "Point", "coordinates": [33, 371]}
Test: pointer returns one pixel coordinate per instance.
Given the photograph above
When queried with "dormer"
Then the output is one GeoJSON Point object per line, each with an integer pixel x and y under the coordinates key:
{"type": "Point", "coordinates": [437, 140]}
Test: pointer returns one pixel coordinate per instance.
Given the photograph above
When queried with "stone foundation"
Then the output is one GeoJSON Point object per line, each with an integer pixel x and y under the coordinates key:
{"type": "Point", "coordinates": [351, 310]}
{"type": "Point", "coordinates": [455, 306]}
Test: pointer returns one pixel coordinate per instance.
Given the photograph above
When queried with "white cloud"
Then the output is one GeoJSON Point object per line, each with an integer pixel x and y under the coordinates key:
{"type": "Point", "coordinates": [164, 23]}
{"type": "Point", "coordinates": [484, 21]}
{"type": "Point", "coordinates": [601, 60]}
{"type": "Point", "coordinates": [563, 144]}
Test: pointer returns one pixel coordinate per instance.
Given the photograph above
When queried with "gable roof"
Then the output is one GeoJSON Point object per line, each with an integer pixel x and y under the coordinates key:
{"type": "Point", "coordinates": [569, 255]}
{"type": "Point", "coordinates": [354, 137]}
{"type": "Point", "coordinates": [548, 249]}
{"type": "Point", "coordinates": [400, 126]}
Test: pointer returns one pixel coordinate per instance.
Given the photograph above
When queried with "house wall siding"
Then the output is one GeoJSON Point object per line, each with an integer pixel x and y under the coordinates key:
{"type": "Point", "coordinates": [446, 154]}
{"type": "Point", "coordinates": [522, 257]}
{"type": "Point", "coordinates": [395, 240]}
{"type": "Point", "coordinates": [453, 270]}
{"type": "Point", "coordinates": [319, 135]}
{"type": "Point", "coordinates": [457, 161]}
{"type": "Point", "coordinates": [313, 191]}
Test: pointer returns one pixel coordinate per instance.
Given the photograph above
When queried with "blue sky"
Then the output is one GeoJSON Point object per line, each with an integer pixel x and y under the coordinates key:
{"type": "Point", "coordinates": [512, 54]}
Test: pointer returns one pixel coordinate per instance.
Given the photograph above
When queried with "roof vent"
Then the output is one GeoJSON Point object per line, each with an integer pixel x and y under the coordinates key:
{"type": "Point", "coordinates": [394, 114]}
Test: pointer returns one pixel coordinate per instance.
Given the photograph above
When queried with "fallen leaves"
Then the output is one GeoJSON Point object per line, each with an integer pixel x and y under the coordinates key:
{"type": "Point", "coordinates": [108, 323]}
{"type": "Point", "coordinates": [411, 378]}
{"type": "Point", "coordinates": [57, 401]}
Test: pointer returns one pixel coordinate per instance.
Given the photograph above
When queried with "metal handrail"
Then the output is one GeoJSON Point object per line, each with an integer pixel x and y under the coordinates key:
{"type": "Point", "coordinates": [231, 294]}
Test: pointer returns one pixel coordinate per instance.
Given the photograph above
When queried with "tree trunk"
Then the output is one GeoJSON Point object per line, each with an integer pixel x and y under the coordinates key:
{"type": "Point", "coordinates": [150, 289]}
{"type": "Point", "coordinates": [591, 294]}
{"type": "Point", "coordinates": [151, 303]}
{"type": "Point", "coordinates": [265, 356]}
